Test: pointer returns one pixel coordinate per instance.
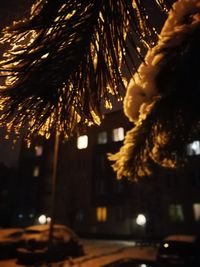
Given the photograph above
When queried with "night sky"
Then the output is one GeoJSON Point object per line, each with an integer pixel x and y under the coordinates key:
{"type": "Point", "coordinates": [9, 11]}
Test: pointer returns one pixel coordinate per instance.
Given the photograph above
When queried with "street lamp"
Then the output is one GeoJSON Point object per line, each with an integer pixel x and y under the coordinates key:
{"type": "Point", "coordinates": [141, 220]}
{"type": "Point", "coordinates": [42, 219]}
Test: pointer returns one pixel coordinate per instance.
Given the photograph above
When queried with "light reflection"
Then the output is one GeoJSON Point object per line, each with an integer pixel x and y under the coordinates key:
{"type": "Point", "coordinates": [166, 245]}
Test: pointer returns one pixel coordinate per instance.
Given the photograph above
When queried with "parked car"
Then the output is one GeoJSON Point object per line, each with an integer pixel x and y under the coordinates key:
{"type": "Point", "coordinates": [129, 262]}
{"type": "Point", "coordinates": [65, 243]}
{"type": "Point", "coordinates": [179, 250]}
{"type": "Point", "coordinates": [10, 239]}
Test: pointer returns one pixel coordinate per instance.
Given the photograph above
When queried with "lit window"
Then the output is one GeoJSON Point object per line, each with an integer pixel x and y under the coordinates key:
{"type": "Point", "coordinates": [176, 213]}
{"type": "Point", "coordinates": [20, 216]}
{"type": "Point", "coordinates": [82, 142]}
{"type": "Point", "coordinates": [36, 171]}
{"type": "Point", "coordinates": [102, 138]}
{"type": "Point", "coordinates": [193, 148]}
{"type": "Point", "coordinates": [38, 150]}
{"type": "Point", "coordinates": [101, 213]}
{"type": "Point", "coordinates": [100, 186]}
{"type": "Point", "coordinates": [118, 134]}
{"type": "Point", "coordinates": [196, 208]}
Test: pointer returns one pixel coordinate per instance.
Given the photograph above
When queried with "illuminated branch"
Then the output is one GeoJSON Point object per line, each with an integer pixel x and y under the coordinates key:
{"type": "Point", "coordinates": [66, 61]}
{"type": "Point", "coordinates": [163, 98]}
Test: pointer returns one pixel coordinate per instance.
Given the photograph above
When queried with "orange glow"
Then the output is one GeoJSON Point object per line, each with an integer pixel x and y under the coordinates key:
{"type": "Point", "coordinates": [101, 213]}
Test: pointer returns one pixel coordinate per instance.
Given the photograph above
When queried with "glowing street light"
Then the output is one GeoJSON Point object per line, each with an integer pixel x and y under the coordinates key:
{"type": "Point", "coordinates": [42, 219]}
{"type": "Point", "coordinates": [141, 219]}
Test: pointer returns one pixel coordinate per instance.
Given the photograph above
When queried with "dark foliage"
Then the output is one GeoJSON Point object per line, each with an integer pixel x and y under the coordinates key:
{"type": "Point", "coordinates": [65, 62]}
{"type": "Point", "coordinates": [163, 133]}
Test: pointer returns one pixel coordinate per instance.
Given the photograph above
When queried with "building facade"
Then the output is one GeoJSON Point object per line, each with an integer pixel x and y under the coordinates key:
{"type": "Point", "coordinates": [7, 194]}
{"type": "Point", "coordinates": [93, 202]}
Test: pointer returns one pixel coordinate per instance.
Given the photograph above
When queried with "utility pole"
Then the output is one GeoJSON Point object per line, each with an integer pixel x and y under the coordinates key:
{"type": "Point", "coordinates": [53, 196]}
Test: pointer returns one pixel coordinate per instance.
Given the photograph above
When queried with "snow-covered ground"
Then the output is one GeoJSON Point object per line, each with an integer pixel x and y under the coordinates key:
{"type": "Point", "coordinates": [99, 252]}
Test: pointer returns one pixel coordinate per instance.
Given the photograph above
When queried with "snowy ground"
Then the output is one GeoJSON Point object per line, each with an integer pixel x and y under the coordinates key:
{"type": "Point", "coordinates": [99, 252]}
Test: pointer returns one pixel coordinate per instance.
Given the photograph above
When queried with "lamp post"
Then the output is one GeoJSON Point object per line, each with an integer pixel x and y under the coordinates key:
{"type": "Point", "coordinates": [141, 222]}
{"type": "Point", "coordinates": [53, 196]}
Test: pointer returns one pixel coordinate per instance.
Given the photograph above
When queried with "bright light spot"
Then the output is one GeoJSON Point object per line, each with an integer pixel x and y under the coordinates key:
{"type": "Point", "coordinates": [127, 243]}
{"type": "Point", "coordinates": [166, 245]}
{"type": "Point", "coordinates": [48, 219]}
{"type": "Point", "coordinates": [42, 219]}
{"type": "Point", "coordinates": [102, 138]}
{"type": "Point", "coordinates": [141, 219]}
{"type": "Point", "coordinates": [193, 148]}
{"type": "Point", "coordinates": [196, 209]}
{"type": "Point", "coordinates": [20, 216]}
{"type": "Point", "coordinates": [118, 134]}
{"type": "Point", "coordinates": [38, 150]}
{"type": "Point", "coordinates": [82, 142]}
{"type": "Point", "coordinates": [101, 213]}
{"type": "Point", "coordinates": [45, 55]}
{"type": "Point", "coordinates": [143, 265]}
{"type": "Point", "coordinates": [36, 171]}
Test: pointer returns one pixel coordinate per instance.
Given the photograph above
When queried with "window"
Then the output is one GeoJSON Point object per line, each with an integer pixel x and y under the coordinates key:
{"type": "Point", "coordinates": [100, 186]}
{"type": "Point", "coordinates": [176, 213]}
{"type": "Point", "coordinates": [102, 162]}
{"type": "Point", "coordinates": [82, 142]}
{"type": "Point", "coordinates": [20, 216]}
{"type": "Point", "coordinates": [38, 151]}
{"type": "Point", "coordinates": [79, 216]}
{"type": "Point", "coordinates": [36, 171]}
{"type": "Point", "coordinates": [196, 209]}
{"type": "Point", "coordinates": [101, 213]}
{"type": "Point", "coordinates": [118, 186]}
{"type": "Point", "coordinates": [118, 134]}
{"type": "Point", "coordinates": [193, 148]}
{"type": "Point", "coordinates": [102, 138]}
{"type": "Point", "coordinates": [120, 213]}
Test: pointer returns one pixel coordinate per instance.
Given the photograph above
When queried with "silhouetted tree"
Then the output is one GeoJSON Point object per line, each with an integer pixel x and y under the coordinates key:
{"type": "Point", "coordinates": [65, 62]}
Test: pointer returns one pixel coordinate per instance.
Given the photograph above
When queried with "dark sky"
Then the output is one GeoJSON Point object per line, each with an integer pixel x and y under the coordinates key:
{"type": "Point", "coordinates": [11, 10]}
